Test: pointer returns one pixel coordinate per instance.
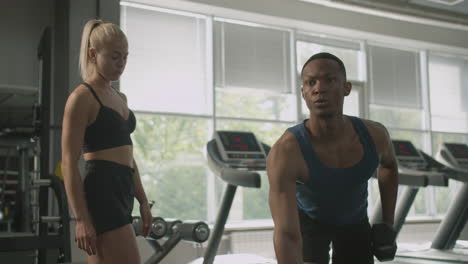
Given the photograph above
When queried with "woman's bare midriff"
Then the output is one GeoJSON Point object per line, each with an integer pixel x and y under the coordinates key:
{"type": "Point", "coordinates": [122, 155]}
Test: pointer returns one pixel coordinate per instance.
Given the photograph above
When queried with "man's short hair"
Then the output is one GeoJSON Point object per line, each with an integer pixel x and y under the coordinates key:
{"type": "Point", "coordinates": [326, 55]}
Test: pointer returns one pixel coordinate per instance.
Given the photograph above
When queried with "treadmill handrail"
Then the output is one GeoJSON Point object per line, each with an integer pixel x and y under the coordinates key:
{"type": "Point", "coordinates": [458, 174]}
{"type": "Point", "coordinates": [434, 178]}
{"type": "Point", "coordinates": [230, 175]}
{"type": "Point", "coordinates": [411, 177]}
{"type": "Point", "coordinates": [240, 178]}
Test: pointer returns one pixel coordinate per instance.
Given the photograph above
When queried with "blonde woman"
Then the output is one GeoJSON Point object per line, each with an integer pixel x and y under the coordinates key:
{"type": "Point", "coordinates": [98, 122]}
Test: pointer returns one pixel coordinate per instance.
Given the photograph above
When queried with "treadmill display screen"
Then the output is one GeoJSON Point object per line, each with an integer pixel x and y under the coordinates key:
{"type": "Point", "coordinates": [459, 151]}
{"type": "Point", "coordinates": [239, 141]}
{"type": "Point", "coordinates": [404, 148]}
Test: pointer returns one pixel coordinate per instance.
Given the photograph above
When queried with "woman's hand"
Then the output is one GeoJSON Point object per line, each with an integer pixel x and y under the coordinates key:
{"type": "Point", "coordinates": [147, 218]}
{"type": "Point", "coordinates": [85, 236]}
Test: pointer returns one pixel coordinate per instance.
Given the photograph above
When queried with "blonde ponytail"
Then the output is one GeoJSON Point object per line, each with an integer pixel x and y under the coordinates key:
{"type": "Point", "coordinates": [84, 65]}
{"type": "Point", "coordinates": [95, 34]}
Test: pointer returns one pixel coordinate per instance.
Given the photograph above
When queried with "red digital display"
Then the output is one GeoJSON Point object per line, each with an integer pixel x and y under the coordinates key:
{"type": "Point", "coordinates": [239, 141]}
{"type": "Point", "coordinates": [459, 151]}
{"type": "Point", "coordinates": [404, 148]}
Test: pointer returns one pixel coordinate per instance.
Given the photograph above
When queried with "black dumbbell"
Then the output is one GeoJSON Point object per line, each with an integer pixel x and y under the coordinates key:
{"type": "Point", "coordinates": [384, 244]}
{"type": "Point", "coordinates": [159, 227]}
{"type": "Point", "coordinates": [195, 231]}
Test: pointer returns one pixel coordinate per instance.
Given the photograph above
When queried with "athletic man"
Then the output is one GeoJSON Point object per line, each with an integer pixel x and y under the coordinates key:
{"type": "Point", "coordinates": [318, 172]}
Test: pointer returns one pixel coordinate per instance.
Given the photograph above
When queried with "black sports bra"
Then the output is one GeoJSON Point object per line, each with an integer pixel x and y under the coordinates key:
{"type": "Point", "coordinates": [109, 130]}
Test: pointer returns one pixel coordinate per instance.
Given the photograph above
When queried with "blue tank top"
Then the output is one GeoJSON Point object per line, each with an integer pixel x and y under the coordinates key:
{"type": "Point", "coordinates": [336, 196]}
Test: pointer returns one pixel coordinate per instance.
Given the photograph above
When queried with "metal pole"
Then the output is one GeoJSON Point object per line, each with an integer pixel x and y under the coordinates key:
{"type": "Point", "coordinates": [454, 221]}
{"type": "Point", "coordinates": [45, 61]}
{"type": "Point", "coordinates": [24, 189]}
{"type": "Point", "coordinates": [403, 207]}
{"type": "Point", "coordinates": [221, 219]}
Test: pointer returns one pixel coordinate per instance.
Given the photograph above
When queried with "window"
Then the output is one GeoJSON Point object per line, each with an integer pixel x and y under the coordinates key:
{"type": "Point", "coordinates": [352, 103]}
{"type": "Point", "coordinates": [349, 52]}
{"type": "Point", "coordinates": [255, 104]}
{"type": "Point", "coordinates": [253, 72]}
{"type": "Point", "coordinates": [249, 56]}
{"type": "Point", "coordinates": [169, 152]}
{"type": "Point", "coordinates": [397, 117]}
{"type": "Point", "coordinates": [394, 77]}
{"type": "Point", "coordinates": [448, 81]}
{"type": "Point", "coordinates": [167, 62]}
{"type": "Point", "coordinates": [395, 94]}
{"type": "Point", "coordinates": [169, 84]}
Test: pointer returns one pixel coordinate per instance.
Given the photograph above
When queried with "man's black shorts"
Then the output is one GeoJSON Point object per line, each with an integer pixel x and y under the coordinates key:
{"type": "Point", "coordinates": [351, 243]}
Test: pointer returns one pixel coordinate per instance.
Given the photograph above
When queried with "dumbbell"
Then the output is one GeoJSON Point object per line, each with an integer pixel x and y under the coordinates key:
{"type": "Point", "coordinates": [384, 245]}
{"type": "Point", "coordinates": [172, 226]}
{"type": "Point", "coordinates": [194, 231]}
{"type": "Point", "coordinates": [159, 227]}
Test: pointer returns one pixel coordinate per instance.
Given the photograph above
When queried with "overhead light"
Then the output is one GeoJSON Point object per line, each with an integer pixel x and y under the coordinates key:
{"type": "Point", "coordinates": [446, 2]}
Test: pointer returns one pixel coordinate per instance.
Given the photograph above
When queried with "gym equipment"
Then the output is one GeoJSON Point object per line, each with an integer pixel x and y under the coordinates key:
{"type": "Point", "coordinates": [415, 170]}
{"type": "Point", "coordinates": [240, 148]}
{"type": "Point", "coordinates": [175, 230]}
{"type": "Point", "coordinates": [383, 242]}
{"type": "Point", "coordinates": [453, 158]}
{"type": "Point", "coordinates": [158, 227]}
{"type": "Point", "coordinates": [233, 156]}
{"type": "Point", "coordinates": [27, 241]}
{"type": "Point", "coordinates": [58, 170]}
{"type": "Point", "coordinates": [39, 231]}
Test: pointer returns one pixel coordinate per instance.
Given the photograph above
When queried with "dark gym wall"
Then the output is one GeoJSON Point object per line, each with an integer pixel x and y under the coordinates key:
{"type": "Point", "coordinates": [22, 23]}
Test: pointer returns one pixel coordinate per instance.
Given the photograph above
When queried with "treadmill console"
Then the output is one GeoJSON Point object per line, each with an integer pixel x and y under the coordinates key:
{"type": "Point", "coordinates": [408, 156]}
{"type": "Point", "coordinates": [456, 154]}
{"type": "Point", "coordinates": [240, 148]}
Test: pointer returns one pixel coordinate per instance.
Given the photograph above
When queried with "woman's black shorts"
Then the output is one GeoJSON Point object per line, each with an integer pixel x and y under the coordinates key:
{"type": "Point", "coordinates": [351, 243]}
{"type": "Point", "coordinates": [109, 192]}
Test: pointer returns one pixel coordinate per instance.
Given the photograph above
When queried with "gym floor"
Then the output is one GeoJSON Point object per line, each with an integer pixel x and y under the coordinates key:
{"type": "Point", "coordinates": [412, 234]}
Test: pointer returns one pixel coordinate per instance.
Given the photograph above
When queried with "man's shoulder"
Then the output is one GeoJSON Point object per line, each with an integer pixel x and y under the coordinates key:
{"type": "Point", "coordinates": [378, 133]}
{"type": "Point", "coordinates": [284, 157]}
{"type": "Point", "coordinates": [374, 127]}
{"type": "Point", "coordinates": [286, 142]}
{"type": "Point", "coordinates": [286, 149]}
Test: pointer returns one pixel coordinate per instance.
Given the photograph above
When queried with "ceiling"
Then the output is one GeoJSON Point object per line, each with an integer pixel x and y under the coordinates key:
{"type": "Point", "coordinates": [458, 6]}
{"type": "Point", "coordinates": [453, 13]}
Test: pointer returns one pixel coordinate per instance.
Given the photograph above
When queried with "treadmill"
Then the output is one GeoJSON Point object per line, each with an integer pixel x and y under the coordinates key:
{"type": "Point", "coordinates": [415, 170]}
{"type": "Point", "coordinates": [234, 156]}
{"type": "Point", "coordinates": [454, 157]}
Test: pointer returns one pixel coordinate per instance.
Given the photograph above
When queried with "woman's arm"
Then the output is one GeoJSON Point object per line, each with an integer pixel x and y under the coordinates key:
{"type": "Point", "coordinates": [74, 125]}
{"type": "Point", "coordinates": [145, 211]}
{"type": "Point", "coordinates": [75, 120]}
{"type": "Point", "coordinates": [140, 194]}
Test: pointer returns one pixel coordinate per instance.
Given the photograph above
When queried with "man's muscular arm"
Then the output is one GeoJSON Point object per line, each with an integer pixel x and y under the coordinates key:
{"type": "Point", "coordinates": [387, 173]}
{"type": "Point", "coordinates": [282, 176]}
